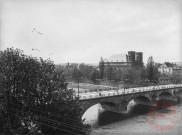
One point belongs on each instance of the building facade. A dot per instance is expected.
(124, 61)
(170, 70)
(166, 69)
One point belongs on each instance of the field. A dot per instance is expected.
(84, 87)
(104, 85)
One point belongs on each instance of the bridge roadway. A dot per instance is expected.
(117, 100)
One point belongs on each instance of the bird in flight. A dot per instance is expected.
(35, 49)
(37, 31)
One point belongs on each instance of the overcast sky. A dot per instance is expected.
(85, 30)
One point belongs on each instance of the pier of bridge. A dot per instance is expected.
(118, 103)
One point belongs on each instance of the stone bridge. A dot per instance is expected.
(118, 103)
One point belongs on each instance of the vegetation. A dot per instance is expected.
(109, 73)
(105, 74)
(89, 74)
(152, 70)
(34, 97)
(94, 75)
(101, 68)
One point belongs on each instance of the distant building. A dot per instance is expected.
(166, 68)
(170, 72)
(177, 70)
(170, 69)
(123, 61)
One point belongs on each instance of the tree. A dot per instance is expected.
(101, 68)
(71, 71)
(85, 70)
(32, 92)
(129, 75)
(76, 74)
(93, 75)
(143, 74)
(109, 72)
(150, 69)
(118, 74)
(156, 74)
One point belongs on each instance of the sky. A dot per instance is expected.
(85, 30)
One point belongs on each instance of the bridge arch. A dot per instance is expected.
(180, 92)
(139, 99)
(124, 104)
(154, 97)
(89, 104)
(165, 94)
(142, 100)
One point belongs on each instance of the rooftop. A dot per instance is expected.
(117, 58)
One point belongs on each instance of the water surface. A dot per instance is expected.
(135, 121)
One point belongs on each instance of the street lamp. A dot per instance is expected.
(78, 75)
(124, 79)
(78, 83)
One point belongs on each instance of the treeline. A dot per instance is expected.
(88, 73)
(34, 98)
(132, 74)
(79, 72)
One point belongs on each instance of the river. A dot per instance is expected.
(135, 121)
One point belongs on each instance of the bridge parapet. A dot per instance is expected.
(124, 92)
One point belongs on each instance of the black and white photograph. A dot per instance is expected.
(90, 67)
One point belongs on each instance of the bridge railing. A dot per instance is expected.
(81, 91)
(126, 91)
